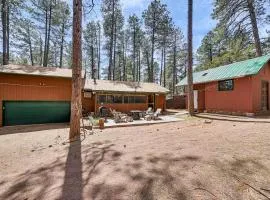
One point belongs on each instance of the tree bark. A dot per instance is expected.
(46, 34)
(62, 43)
(92, 63)
(30, 46)
(148, 66)
(124, 61)
(99, 44)
(4, 29)
(134, 49)
(139, 64)
(7, 30)
(161, 67)
(174, 64)
(40, 51)
(164, 68)
(190, 60)
(76, 104)
(46, 54)
(152, 56)
(111, 45)
(255, 31)
(114, 47)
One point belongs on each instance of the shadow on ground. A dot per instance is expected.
(31, 128)
(99, 171)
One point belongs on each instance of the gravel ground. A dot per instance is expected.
(182, 160)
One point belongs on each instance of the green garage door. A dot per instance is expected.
(35, 112)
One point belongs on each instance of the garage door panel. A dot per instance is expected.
(35, 112)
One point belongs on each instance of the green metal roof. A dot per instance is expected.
(234, 70)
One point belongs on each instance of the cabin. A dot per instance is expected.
(240, 88)
(38, 95)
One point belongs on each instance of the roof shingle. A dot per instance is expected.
(123, 86)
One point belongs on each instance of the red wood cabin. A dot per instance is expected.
(36, 95)
(238, 88)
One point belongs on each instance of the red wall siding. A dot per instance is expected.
(88, 104)
(161, 101)
(238, 100)
(23, 87)
(264, 75)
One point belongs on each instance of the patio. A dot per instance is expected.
(167, 118)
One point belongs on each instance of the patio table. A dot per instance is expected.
(136, 114)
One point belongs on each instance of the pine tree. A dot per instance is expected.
(91, 46)
(76, 104)
(135, 31)
(152, 19)
(243, 14)
(112, 24)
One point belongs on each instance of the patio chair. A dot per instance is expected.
(91, 122)
(120, 117)
(156, 114)
(153, 116)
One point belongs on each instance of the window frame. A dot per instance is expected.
(225, 89)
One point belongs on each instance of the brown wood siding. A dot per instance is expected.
(88, 104)
(161, 102)
(33, 88)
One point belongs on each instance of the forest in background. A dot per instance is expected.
(149, 47)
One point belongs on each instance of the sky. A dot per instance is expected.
(202, 21)
(178, 8)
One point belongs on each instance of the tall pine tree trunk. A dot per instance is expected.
(134, 56)
(152, 57)
(99, 44)
(161, 67)
(139, 65)
(174, 65)
(76, 103)
(114, 48)
(62, 44)
(7, 30)
(111, 44)
(148, 66)
(47, 43)
(92, 63)
(124, 62)
(46, 34)
(255, 31)
(164, 68)
(190, 60)
(30, 46)
(4, 30)
(40, 51)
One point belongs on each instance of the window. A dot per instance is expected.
(118, 99)
(140, 99)
(131, 99)
(226, 85)
(126, 99)
(109, 99)
(101, 98)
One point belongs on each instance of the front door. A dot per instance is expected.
(151, 101)
(265, 96)
(195, 99)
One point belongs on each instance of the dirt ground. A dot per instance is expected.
(182, 160)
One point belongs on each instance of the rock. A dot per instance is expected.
(50, 145)
(124, 146)
(207, 121)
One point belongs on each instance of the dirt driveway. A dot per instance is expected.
(183, 160)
